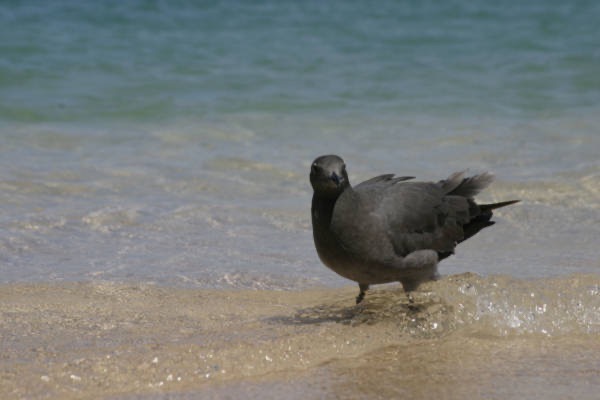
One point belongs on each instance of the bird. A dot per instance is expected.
(390, 228)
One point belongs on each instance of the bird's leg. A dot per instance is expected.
(411, 301)
(363, 288)
(423, 267)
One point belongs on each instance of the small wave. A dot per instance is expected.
(42, 224)
(507, 306)
(489, 306)
(109, 219)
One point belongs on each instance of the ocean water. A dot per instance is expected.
(168, 143)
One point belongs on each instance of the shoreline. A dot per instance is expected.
(108, 340)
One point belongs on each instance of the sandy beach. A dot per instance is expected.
(106, 340)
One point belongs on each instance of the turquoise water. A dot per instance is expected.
(140, 61)
(169, 141)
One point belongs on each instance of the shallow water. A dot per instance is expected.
(170, 142)
(154, 197)
(465, 336)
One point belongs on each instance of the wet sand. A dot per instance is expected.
(467, 337)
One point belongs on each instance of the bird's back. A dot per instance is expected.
(409, 216)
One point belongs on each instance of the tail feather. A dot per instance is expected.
(457, 185)
(452, 182)
(471, 186)
(493, 206)
(471, 216)
(476, 224)
(483, 218)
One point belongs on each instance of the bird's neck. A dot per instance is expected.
(322, 210)
(325, 241)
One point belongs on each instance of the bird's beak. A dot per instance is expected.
(336, 178)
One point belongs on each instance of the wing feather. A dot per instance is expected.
(384, 179)
(412, 216)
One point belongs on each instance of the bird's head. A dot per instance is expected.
(328, 176)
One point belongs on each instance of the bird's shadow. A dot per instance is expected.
(379, 306)
(319, 314)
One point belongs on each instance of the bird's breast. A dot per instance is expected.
(345, 264)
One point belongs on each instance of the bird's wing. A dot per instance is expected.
(421, 216)
(386, 179)
(383, 217)
(433, 215)
(381, 221)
